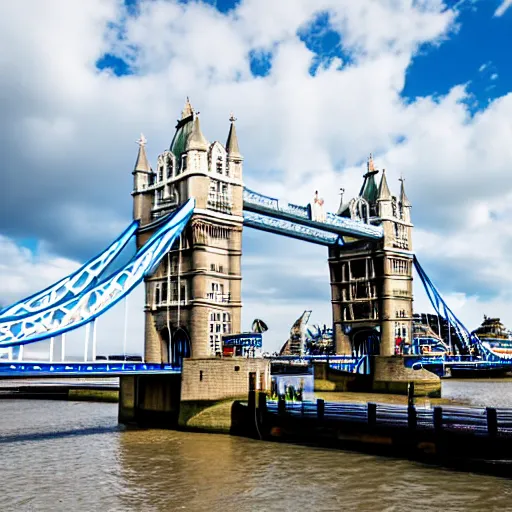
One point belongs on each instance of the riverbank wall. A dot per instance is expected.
(72, 391)
(388, 375)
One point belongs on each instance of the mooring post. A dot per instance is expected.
(320, 409)
(251, 402)
(410, 394)
(372, 415)
(281, 406)
(492, 421)
(412, 417)
(438, 419)
(262, 402)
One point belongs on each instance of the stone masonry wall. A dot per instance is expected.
(219, 379)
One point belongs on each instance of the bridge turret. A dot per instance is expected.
(142, 179)
(371, 282)
(405, 205)
(384, 199)
(194, 297)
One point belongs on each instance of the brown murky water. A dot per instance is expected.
(72, 456)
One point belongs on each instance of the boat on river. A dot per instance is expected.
(495, 336)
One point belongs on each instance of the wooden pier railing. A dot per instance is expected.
(479, 421)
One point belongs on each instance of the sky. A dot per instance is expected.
(316, 85)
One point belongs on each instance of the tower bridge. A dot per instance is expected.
(368, 238)
(189, 213)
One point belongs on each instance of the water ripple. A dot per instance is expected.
(66, 456)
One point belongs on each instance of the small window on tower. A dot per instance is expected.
(219, 165)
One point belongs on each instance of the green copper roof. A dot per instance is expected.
(179, 142)
(369, 189)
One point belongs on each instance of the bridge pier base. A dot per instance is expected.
(390, 375)
(149, 400)
(200, 398)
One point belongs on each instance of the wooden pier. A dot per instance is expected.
(467, 438)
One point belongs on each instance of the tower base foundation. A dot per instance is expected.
(390, 375)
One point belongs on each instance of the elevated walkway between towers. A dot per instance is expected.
(268, 214)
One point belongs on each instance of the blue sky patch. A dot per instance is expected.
(32, 244)
(479, 55)
(260, 62)
(117, 65)
(323, 41)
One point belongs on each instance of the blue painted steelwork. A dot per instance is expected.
(89, 305)
(87, 369)
(440, 363)
(243, 340)
(478, 355)
(270, 207)
(290, 229)
(466, 339)
(360, 364)
(434, 345)
(71, 286)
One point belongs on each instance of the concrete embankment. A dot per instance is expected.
(104, 390)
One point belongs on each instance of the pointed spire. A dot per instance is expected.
(232, 142)
(142, 163)
(370, 166)
(384, 194)
(196, 138)
(403, 198)
(341, 207)
(187, 109)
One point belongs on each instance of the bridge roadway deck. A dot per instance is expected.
(89, 370)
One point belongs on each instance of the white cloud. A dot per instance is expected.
(505, 4)
(494, 76)
(68, 130)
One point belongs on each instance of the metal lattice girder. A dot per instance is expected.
(270, 207)
(71, 286)
(441, 308)
(81, 310)
(290, 229)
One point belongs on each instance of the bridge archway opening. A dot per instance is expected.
(365, 341)
(175, 347)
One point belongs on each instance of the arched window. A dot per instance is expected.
(219, 164)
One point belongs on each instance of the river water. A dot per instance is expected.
(72, 456)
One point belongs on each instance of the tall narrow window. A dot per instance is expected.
(170, 168)
(157, 294)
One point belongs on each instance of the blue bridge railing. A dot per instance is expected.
(40, 369)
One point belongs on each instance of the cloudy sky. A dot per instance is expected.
(316, 86)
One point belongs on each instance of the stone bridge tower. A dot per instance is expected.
(194, 297)
(371, 282)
